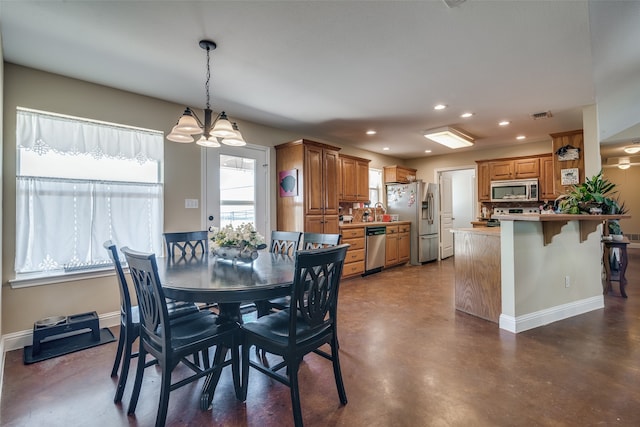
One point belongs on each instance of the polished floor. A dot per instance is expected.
(408, 358)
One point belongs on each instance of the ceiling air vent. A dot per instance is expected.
(542, 115)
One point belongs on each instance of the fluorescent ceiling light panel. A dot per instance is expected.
(449, 137)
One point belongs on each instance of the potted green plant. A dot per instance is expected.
(594, 196)
(615, 231)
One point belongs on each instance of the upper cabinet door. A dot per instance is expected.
(313, 177)
(501, 170)
(331, 167)
(527, 168)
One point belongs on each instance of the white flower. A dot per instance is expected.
(242, 236)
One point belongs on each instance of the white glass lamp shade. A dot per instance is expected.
(177, 136)
(188, 123)
(237, 140)
(624, 163)
(222, 128)
(208, 142)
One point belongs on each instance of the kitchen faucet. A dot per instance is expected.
(381, 206)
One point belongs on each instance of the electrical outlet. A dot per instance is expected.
(567, 281)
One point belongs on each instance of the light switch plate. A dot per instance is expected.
(191, 203)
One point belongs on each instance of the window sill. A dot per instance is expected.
(39, 279)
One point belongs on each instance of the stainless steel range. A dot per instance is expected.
(515, 211)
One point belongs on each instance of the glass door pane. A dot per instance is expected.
(235, 187)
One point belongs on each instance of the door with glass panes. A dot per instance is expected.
(236, 187)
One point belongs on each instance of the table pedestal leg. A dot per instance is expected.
(229, 312)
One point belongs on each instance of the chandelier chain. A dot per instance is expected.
(206, 84)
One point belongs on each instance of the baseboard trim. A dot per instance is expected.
(550, 315)
(20, 339)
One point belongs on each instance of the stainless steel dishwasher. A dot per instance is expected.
(375, 249)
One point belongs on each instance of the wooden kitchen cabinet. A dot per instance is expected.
(398, 245)
(526, 168)
(547, 180)
(500, 170)
(574, 139)
(314, 206)
(398, 174)
(404, 243)
(484, 182)
(391, 246)
(354, 179)
(354, 261)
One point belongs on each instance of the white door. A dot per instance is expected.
(446, 216)
(236, 188)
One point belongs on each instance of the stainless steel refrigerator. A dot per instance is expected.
(417, 202)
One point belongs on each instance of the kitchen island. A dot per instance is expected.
(477, 266)
(550, 268)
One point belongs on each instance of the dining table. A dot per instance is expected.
(228, 283)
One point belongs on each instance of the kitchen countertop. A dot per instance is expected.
(372, 224)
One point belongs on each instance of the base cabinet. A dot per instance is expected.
(391, 247)
(398, 245)
(354, 261)
(404, 243)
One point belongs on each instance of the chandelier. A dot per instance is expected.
(212, 132)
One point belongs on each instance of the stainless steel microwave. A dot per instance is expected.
(517, 190)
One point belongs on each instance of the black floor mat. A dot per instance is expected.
(58, 347)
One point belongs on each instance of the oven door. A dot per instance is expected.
(509, 192)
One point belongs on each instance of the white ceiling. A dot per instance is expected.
(330, 69)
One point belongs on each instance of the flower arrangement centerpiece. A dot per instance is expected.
(236, 243)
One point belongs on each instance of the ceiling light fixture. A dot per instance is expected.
(466, 115)
(449, 137)
(519, 137)
(624, 163)
(371, 132)
(213, 131)
(633, 149)
(440, 107)
(504, 123)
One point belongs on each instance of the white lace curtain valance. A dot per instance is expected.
(41, 132)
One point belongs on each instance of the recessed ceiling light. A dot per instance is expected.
(385, 149)
(440, 107)
(466, 115)
(520, 137)
(371, 132)
(427, 151)
(504, 123)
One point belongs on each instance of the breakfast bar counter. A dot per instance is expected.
(477, 272)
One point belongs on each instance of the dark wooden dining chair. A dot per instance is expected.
(285, 242)
(320, 240)
(309, 241)
(293, 333)
(187, 244)
(171, 342)
(130, 323)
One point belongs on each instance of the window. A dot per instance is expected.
(79, 183)
(237, 190)
(375, 186)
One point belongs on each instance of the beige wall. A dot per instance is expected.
(39, 90)
(627, 185)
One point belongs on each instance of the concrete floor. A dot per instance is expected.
(408, 359)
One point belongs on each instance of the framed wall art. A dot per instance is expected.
(288, 183)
